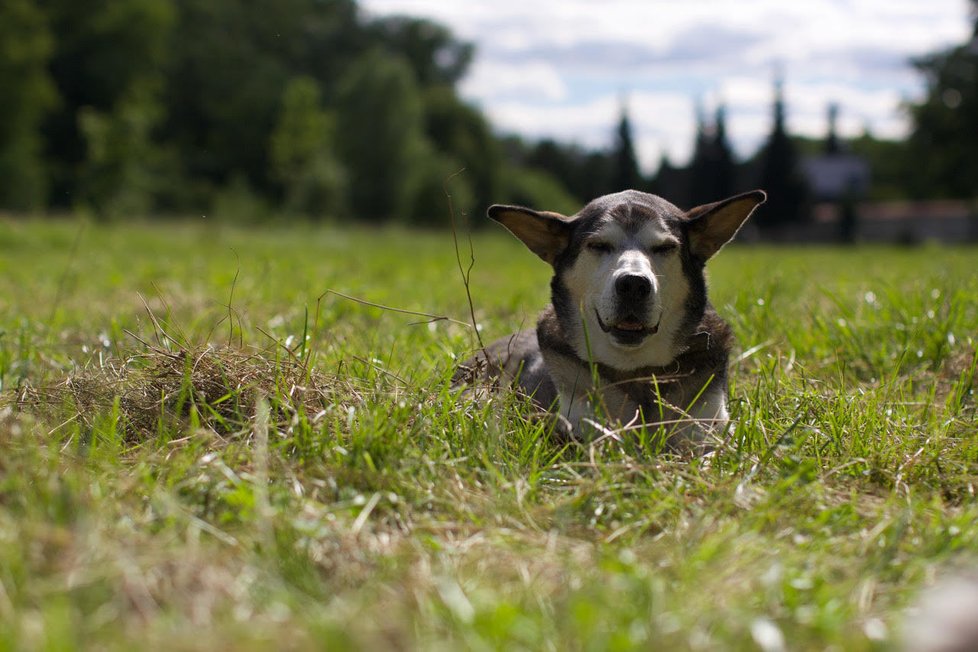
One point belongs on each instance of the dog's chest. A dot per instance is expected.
(588, 391)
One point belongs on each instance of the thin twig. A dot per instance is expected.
(465, 273)
(234, 284)
(431, 317)
(315, 332)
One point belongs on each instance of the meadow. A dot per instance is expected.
(203, 446)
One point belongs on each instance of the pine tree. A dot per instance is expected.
(832, 143)
(701, 165)
(625, 172)
(724, 165)
(780, 175)
(712, 167)
(671, 182)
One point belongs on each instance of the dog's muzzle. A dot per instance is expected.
(629, 331)
(632, 292)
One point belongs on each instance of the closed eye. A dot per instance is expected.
(665, 248)
(599, 246)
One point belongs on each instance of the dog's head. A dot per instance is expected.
(628, 269)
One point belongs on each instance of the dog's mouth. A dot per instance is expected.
(629, 331)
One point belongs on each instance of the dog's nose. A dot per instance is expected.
(632, 287)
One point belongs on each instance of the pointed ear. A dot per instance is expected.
(713, 225)
(545, 233)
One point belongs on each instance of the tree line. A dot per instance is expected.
(308, 107)
(169, 106)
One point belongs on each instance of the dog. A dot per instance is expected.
(629, 337)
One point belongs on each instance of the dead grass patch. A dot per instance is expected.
(210, 387)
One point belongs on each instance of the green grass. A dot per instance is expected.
(202, 450)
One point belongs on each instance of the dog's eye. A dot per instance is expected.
(599, 247)
(665, 248)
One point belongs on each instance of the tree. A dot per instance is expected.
(380, 136)
(625, 174)
(139, 105)
(832, 143)
(780, 175)
(888, 161)
(712, 166)
(672, 182)
(123, 167)
(229, 65)
(224, 81)
(107, 66)
(538, 189)
(28, 95)
(701, 164)
(437, 178)
(723, 159)
(302, 153)
(434, 54)
(584, 174)
(593, 175)
(561, 161)
(944, 140)
(463, 137)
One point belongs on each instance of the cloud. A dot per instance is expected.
(497, 80)
(560, 68)
(584, 55)
(713, 44)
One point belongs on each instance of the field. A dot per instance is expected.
(202, 448)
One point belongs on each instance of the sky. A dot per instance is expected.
(565, 68)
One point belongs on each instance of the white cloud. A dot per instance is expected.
(560, 67)
(586, 123)
(491, 81)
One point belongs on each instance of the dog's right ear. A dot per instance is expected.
(544, 232)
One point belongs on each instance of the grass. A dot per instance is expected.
(203, 450)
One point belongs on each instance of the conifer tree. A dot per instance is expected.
(780, 174)
(712, 167)
(625, 172)
(724, 164)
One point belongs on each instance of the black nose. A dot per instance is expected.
(632, 287)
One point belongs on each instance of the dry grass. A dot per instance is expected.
(212, 387)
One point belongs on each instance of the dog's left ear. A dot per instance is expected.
(545, 233)
(713, 225)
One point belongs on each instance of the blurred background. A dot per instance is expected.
(859, 118)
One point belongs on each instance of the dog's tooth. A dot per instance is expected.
(630, 326)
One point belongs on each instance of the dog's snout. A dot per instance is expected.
(632, 287)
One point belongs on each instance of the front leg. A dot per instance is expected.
(592, 412)
(574, 409)
(706, 418)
